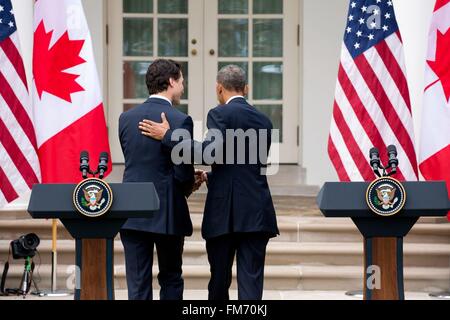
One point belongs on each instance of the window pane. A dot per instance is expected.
(275, 114)
(185, 70)
(183, 108)
(267, 38)
(134, 86)
(138, 6)
(128, 106)
(233, 6)
(138, 37)
(267, 6)
(173, 6)
(268, 81)
(173, 37)
(233, 38)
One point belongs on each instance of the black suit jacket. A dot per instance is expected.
(147, 160)
(239, 198)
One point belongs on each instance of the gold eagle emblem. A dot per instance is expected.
(386, 194)
(94, 197)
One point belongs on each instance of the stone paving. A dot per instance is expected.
(268, 295)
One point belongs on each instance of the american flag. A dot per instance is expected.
(19, 164)
(372, 106)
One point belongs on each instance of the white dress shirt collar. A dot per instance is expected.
(157, 96)
(234, 97)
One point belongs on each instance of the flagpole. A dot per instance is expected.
(53, 292)
(54, 253)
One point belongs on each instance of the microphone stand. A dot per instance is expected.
(54, 292)
(376, 169)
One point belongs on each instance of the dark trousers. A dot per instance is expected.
(250, 251)
(138, 247)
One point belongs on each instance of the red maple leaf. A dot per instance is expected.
(441, 65)
(49, 64)
(440, 4)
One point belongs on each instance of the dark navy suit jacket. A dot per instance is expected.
(239, 198)
(147, 160)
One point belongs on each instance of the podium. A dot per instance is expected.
(383, 235)
(94, 237)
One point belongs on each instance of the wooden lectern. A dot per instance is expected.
(383, 236)
(94, 237)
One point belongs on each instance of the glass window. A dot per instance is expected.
(128, 106)
(233, 6)
(173, 6)
(233, 38)
(138, 37)
(268, 38)
(268, 6)
(267, 81)
(275, 114)
(138, 6)
(172, 37)
(185, 70)
(134, 79)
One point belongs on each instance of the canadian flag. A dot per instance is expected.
(67, 100)
(435, 139)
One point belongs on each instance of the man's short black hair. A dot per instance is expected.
(159, 73)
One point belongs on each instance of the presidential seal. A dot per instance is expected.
(386, 196)
(92, 197)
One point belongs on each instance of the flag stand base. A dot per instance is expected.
(440, 295)
(53, 294)
(355, 293)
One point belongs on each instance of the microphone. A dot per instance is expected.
(375, 163)
(103, 164)
(392, 154)
(84, 163)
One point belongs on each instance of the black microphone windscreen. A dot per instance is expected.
(392, 149)
(84, 154)
(374, 150)
(104, 155)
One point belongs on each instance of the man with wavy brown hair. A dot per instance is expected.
(147, 160)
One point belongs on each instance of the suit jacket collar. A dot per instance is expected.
(239, 100)
(158, 101)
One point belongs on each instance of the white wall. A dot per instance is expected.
(323, 31)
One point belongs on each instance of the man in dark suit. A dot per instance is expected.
(239, 216)
(148, 160)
